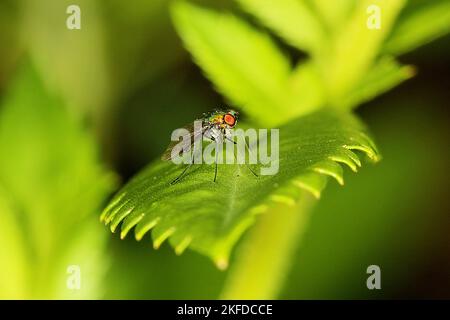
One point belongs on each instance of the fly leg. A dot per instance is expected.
(249, 152)
(215, 170)
(184, 171)
(248, 167)
(215, 162)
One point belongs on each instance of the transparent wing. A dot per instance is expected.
(191, 136)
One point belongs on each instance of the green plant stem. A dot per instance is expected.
(265, 256)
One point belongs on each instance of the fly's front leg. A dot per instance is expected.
(215, 170)
(231, 140)
(216, 155)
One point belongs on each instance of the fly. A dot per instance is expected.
(215, 126)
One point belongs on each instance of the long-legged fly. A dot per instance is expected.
(215, 126)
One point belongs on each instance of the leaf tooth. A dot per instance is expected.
(118, 218)
(129, 223)
(344, 160)
(371, 153)
(259, 209)
(182, 245)
(369, 142)
(311, 182)
(283, 199)
(331, 169)
(162, 237)
(112, 204)
(115, 211)
(352, 156)
(221, 263)
(365, 144)
(142, 228)
(347, 157)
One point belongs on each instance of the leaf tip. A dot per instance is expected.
(181, 247)
(139, 231)
(332, 169)
(283, 199)
(410, 71)
(162, 237)
(222, 263)
(129, 223)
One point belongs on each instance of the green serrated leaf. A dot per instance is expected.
(419, 25)
(243, 63)
(293, 20)
(210, 217)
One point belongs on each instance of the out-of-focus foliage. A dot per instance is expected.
(74, 63)
(291, 19)
(9, 39)
(51, 182)
(344, 67)
(420, 22)
(140, 40)
(14, 277)
(238, 62)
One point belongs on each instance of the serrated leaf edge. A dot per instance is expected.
(114, 216)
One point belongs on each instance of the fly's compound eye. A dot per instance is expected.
(230, 120)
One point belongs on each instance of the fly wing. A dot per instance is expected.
(191, 136)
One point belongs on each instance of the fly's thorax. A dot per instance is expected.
(214, 133)
(216, 118)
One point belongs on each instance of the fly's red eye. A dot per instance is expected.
(230, 119)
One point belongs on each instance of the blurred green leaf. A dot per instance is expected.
(151, 51)
(291, 19)
(210, 217)
(385, 74)
(243, 63)
(9, 38)
(333, 13)
(419, 25)
(51, 173)
(14, 275)
(86, 250)
(73, 62)
(307, 87)
(357, 46)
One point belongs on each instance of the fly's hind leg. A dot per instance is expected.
(235, 157)
(184, 171)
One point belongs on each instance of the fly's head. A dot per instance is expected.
(230, 119)
(223, 119)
